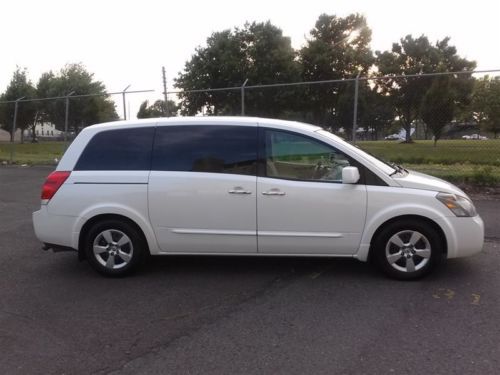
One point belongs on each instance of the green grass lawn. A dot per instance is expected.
(33, 153)
(462, 161)
(446, 151)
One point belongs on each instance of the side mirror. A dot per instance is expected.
(350, 175)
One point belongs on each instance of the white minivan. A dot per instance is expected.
(246, 186)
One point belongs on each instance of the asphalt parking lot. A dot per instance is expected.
(201, 315)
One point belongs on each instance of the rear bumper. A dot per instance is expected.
(54, 230)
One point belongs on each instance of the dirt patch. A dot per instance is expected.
(481, 192)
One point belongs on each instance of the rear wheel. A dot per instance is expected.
(114, 247)
(408, 249)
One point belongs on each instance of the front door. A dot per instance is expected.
(302, 205)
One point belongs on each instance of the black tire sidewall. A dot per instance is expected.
(437, 251)
(130, 231)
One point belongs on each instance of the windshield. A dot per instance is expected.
(379, 163)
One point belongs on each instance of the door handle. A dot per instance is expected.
(239, 190)
(273, 192)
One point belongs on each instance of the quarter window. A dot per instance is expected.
(118, 150)
(208, 148)
(292, 156)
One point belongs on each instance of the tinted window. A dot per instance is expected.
(118, 150)
(293, 156)
(209, 148)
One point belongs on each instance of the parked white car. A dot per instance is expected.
(246, 186)
(392, 137)
(475, 136)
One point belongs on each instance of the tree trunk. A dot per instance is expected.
(408, 132)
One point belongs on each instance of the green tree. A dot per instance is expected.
(376, 112)
(19, 86)
(415, 56)
(83, 111)
(269, 59)
(438, 106)
(338, 48)
(258, 52)
(157, 109)
(485, 105)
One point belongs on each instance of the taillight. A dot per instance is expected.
(53, 183)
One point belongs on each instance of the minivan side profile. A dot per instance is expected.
(246, 186)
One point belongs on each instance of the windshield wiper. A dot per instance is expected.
(397, 169)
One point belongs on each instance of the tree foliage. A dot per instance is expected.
(258, 52)
(415, 56)
(485, 105)
(338, 48)
(157, 109)
(19, 86)
(438, 106)
(83, 111)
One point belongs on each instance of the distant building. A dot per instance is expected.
(44, 130)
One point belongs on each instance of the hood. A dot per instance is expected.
(417, 180)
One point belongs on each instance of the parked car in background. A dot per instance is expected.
(392, 137)
(475, 136)
(246, 186)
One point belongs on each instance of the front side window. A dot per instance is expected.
(118, 150)
(206, 148)
(293, 156)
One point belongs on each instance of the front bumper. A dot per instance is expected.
(464, 235)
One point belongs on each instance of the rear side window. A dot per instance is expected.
(118, 150)
(208, 148)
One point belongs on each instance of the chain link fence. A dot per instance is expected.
(444, 124)
(38, 130)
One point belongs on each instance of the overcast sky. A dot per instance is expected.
(126, 42)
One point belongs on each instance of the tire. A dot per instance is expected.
(114, 247)
(408, 249)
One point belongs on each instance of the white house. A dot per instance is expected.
(45, 130)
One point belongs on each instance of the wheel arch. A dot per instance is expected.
(97, 218)
(425, 219)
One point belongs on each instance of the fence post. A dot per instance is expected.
(243, 97)
(13, 139)
(66, 116)
(355, 112)
(124, 105)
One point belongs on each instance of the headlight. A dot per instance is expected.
(460, 206)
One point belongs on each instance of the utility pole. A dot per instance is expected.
(13, 139)
(165, 108)
(66, 116)
(243, 97)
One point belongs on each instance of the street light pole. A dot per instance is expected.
(124, 105)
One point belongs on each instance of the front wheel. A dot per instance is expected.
(114, 247)
(408, 249)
